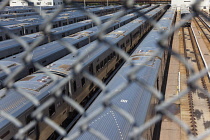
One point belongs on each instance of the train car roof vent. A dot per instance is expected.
(8, 64)
(131, 15)
(166, 18)
(34, 35)
(136, 58)
(23, 24)
(8, 19)
(160, 28)
(86, 21)
(65, 67)
(116, 21)
(137, 21)
(44, 79)
(27, 78)
(49, 66)
(148, 14)
(11, 26)
(116, 34)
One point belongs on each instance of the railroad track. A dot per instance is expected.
(197, 104)
(204, 28)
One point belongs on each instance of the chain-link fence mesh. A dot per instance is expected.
(58, 90)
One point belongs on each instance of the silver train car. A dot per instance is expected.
(20, 9)
(32, 25)
(15, 12)
(185, 12)
(31, 12)
(39, 84)
(11, 47)
(50, 52)
(135, 100)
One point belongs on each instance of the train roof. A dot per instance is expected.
(8, 64)
(134, 99)
(114, 37)
(39, 19)
(64, 64)
(12, 102)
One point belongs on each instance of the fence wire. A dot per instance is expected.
(38, 114)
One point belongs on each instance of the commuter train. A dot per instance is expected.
(136, 100)
(18, 9)
(50, 52)
(100, 63)
(30, 12)
(184, 13)
(11, 47)
(31, 25)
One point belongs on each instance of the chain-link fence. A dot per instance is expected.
(46, 101)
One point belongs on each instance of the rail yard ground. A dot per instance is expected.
(193, 108)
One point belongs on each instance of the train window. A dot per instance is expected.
(31, 70)
(83, 81)
(101, 64)
(28, 120)
(1, 38)
(122, 46)
(64, 90)
(21, 33)
(97, 67)
(91, 68)
(26, 31)
(63, 35)
(32, 31)
(114, 53)
(110, 56)
(37, 28)
(105, 61)
(7, 37)
(52, 110)
(74, 86)
(127, 41)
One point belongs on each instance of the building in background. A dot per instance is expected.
(36, 2)
(204, 5)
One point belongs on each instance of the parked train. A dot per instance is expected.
(50, 52)
(101, 62)
(17, 12)
(14, 12)
(136, 100)
(184, 13)
(17, 9)
(11, 47)
(29, 26)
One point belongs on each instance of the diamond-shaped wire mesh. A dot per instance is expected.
(81, 65)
